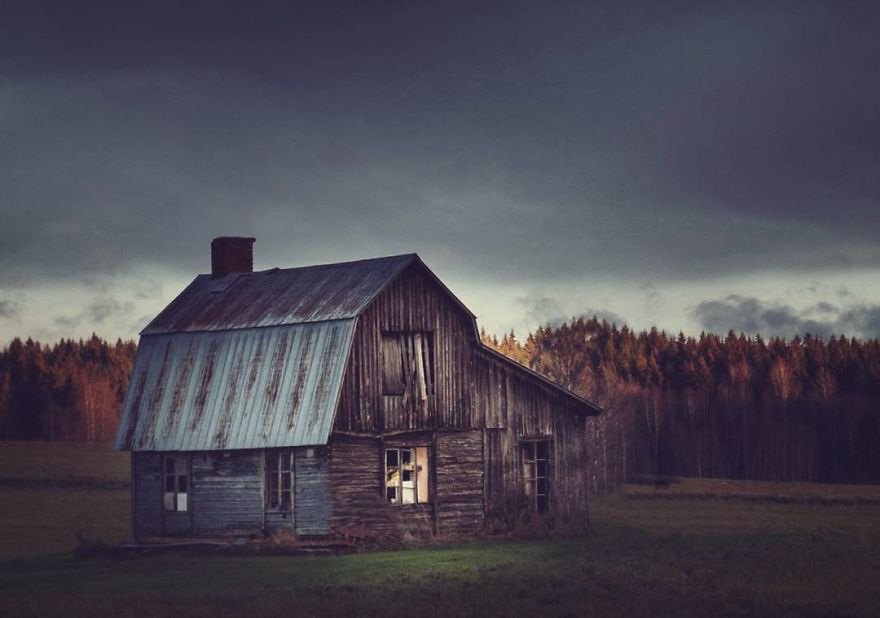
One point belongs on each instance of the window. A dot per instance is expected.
(406, 475)
(176, 492)
(535, 462)
(279, 466)
(408, 365)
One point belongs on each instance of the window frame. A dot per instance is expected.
(418, 468)
(275, 476)
(405, 344)
(530, 457)
(180, 471)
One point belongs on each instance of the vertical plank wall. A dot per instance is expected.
(411, 303)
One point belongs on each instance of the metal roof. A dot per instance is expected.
(278, 296)
(236, 389)
(256, 360)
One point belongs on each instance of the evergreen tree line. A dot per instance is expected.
(804, 409)
(738, 407)
(72, 390)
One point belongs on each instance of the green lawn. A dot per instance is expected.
(712, 554)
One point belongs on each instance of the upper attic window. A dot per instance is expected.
(408, 364)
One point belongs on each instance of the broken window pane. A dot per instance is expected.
(393, 381)
(408, 365)
(422, 473)
(168, 500)
(406, 475)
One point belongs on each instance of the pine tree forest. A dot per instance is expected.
(738, 407)
(732, 406)
(72, 390)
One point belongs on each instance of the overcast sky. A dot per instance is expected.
(691, 166)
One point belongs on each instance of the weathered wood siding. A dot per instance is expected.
(455, 481)
(147, 494)
(478, 472)
(411, 303)
(518, 407)
(226, 494)
(479, 411)
(459, 487)
(357, 486)
(311, 503)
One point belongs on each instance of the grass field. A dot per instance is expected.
(696, 548)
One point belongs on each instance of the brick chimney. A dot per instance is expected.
(231, 254)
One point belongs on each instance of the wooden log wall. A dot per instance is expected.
(311, 502)
(456, 486)
(357, 490)
(459, 482)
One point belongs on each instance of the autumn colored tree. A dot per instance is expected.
(72, 390)
(730, 406)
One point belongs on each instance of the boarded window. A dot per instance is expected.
(279, 480)
(176, 484)
(535, 462)
(408, 365)
(406, 475)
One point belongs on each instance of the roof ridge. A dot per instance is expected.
(326, 265)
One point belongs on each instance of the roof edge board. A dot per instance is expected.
(596, 409)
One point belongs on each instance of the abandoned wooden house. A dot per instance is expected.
(342, 399)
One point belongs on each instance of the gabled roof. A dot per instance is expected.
(281, 296)
(256, 360)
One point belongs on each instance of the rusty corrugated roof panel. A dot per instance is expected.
(278, 296)
(236, 389)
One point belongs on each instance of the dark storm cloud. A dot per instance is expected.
(547, 311)
(68, 321)
(9, 308)
(753, 316)
(98, 311)
(862, 319)
(615, 139)
(105, 307)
